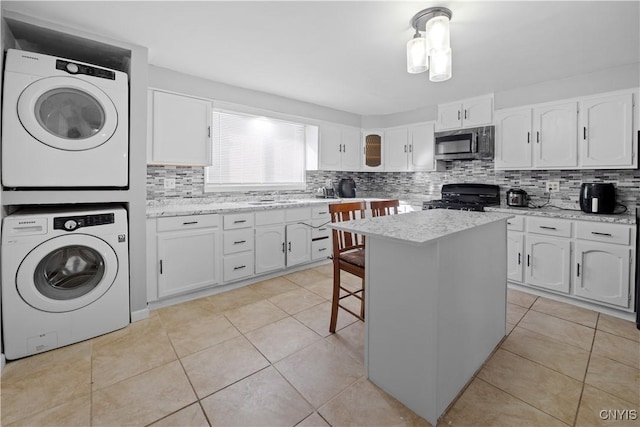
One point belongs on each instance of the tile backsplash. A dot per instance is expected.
(418, 185)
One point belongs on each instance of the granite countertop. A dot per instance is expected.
(420, 227)
(628, 217)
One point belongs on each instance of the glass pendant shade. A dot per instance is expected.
(437, 33)
(440, 65)
(417, 60)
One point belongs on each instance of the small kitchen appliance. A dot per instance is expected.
(465, 144)
(328, 192)
(517, 198)
(468, 197)
(597, 198)
(347, 188)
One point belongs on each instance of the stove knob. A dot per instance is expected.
(70, 225)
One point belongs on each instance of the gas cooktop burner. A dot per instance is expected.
(443, 204)
(468, 197)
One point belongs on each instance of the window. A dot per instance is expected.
(255, 153)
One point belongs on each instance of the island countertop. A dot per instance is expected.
(420, 227)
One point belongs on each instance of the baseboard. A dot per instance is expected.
(139, 315)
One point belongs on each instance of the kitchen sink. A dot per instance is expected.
(272, 202)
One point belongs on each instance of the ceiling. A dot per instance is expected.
(350, 56)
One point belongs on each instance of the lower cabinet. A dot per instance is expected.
(548, 263)
(515, 252)
(238, 246)
(602, 272)
(298, 244)
(270, 248)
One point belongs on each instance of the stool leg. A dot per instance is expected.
(336, 296)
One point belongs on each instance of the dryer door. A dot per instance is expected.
(67, 113)
(67, 273)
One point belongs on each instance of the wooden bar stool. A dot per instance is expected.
(348, 255)
(385, 207)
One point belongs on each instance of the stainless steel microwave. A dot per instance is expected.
(465, 144)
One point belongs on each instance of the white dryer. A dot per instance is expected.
(65, 277)
(64, 123)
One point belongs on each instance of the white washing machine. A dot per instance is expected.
(64, 123)
(65, 277)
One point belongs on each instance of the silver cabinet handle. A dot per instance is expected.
(410, 148)
(458, 114)
(528, 260)
(209, 131)
(282, 247)
(340, 148)
(465, 113)
(538, 137)
(519, 258)
(584, 133)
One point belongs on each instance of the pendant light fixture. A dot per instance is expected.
(433, 51)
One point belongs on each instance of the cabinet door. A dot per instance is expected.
(606, 131)
(373, 150)
(270, 248)
(449, 116)
(396, 149)
(187, 260)
(515, 255)
(602, 273)
(556, 138)
(548, 262)
(330, 148)
(298, 244)
(351, 149)
(513, 139)
(477, 112)
(181, 130)
(421, 148)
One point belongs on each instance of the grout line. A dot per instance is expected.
(584, 378)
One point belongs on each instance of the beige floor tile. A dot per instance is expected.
(520, 298)
(317, 318)
(620, 327)
(263, 399)
(350, 281)
(297, 300)
(313, 420)
(276, 286)
(351, 339)
(200, 333)
(323, 288)
(566, 311)
(320, 371)
(307, 277)
(617, 348)
(114, 360)
(174, 315)
(191, 416)
(253, 316)
(515, 313)
(509, 328)
(482, 404)
(592, 404)
(615, 378)
(151, 324)
(553, 354)
(76, 412)
(233, 299)
(37, 390)
(223, 364)
(558, 329)
(543, 388)
(364, 404)
(282, 338)
(326, 269)
(143, 399)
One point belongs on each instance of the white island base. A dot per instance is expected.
(435, 312)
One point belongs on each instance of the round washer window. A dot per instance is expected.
(69, 113)
(69, 272)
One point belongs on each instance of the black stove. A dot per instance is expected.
(468, 197)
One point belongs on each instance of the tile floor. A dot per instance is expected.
(262, 355)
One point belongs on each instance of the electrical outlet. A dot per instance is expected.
(169, 183)
(552, 187)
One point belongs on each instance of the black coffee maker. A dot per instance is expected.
(347, 188)
(597, 198)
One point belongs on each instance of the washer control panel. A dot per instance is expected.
(73, 68)
(70, 223)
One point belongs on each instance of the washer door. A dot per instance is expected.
(67, 273)
(67, 113)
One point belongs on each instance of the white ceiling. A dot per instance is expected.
(351, 55)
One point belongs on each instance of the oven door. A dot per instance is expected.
(456, 145)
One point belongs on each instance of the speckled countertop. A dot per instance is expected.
(420, 227)
(628, 217)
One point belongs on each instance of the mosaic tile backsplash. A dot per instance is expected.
(414, 185)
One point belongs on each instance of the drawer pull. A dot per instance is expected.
(509, 222)
(548, 228)
(239, 242)
(322, 249)
(597, 233)
(322, 229)
(578, 270)
(323, 213)
(239, 267)
(239, 221)
(189, 222)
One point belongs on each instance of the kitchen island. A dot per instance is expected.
(435, 303)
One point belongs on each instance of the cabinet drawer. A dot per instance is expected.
(549, 226)
(610, 233)
(516, 224)
(320, 228)
(187, 222)
(238, 241)
(238, 266)
(320, 212)
(242, 220)
(270, 217)
(297, 214)
(321, 249)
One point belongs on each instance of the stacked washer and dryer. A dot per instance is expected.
(65, 269)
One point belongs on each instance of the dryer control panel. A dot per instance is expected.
(70, 223)
(73, 68)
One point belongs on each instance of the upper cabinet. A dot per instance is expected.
(339, 148)
(513, 139)
(409, 148)
(373, 150)
(555, 136)
(467, 113)
(179, 130)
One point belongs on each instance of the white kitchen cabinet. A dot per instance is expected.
(298, 244)
(270, 248)
(548, 262)
(373, 149)
(339, 148)
(515, 256)
(556, 141)
(409, 148)
(602, 272)
(606, 131)
(467, 113)
(513, 139)
(238, 247)
(396, 149)
(179, 130)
